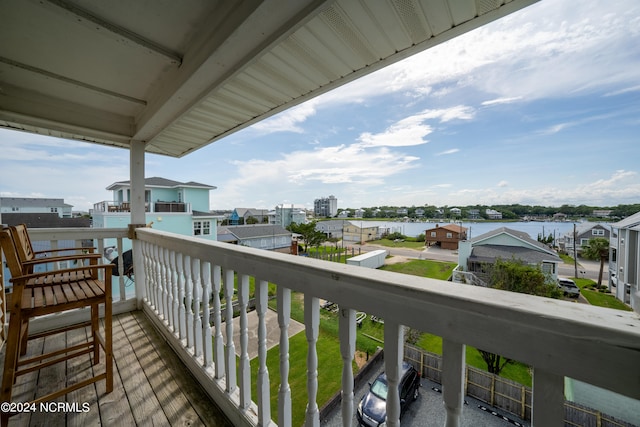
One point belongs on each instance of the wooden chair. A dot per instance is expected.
(29, 258)
(46, 293)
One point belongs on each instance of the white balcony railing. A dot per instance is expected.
(183, 278)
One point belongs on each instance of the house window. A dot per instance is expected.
(433, 234)
(584, 242)
(449, 235)
(597, 232)
(201, 228)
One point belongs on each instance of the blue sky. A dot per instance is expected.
(540, 108)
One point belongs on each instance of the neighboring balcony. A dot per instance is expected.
(182, 295)
(109, 206)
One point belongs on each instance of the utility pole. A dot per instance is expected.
(575, 255)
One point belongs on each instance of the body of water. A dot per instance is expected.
(475, 229)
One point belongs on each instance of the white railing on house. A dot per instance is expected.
(183, 278)
(467, 277)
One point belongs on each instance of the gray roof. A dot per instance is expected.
(163, 182)
(24, 202)
(521, 235)
(257, 230)
(628, 222)
(489, 253)
(44, 220)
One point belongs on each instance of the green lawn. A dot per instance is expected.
(601, 299)
(424, 268)
(329, 378)
(514, 371)
(403, 244)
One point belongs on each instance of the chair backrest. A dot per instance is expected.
(22, 242)
(10, 253)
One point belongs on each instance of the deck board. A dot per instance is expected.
(151, 385)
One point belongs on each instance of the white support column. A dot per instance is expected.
(393, 355)
(138, 215)
(347, 332)
(230, 349)
(245, 369)
(548, 399)
(284, 393)
(453, 355)
(263, 392)
(312, 326)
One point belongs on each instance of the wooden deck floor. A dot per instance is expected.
(151, 385)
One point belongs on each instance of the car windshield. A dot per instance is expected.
(379, 388)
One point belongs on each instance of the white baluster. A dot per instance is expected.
(218, 344)
(284, 393)
(453, 356)
(166, 287)
(393, 355)
(145, 264)
(312, 325)
(197, 294)
(264, 395)
(164, 295)
(230, 349)
(148, 268)
(548, 399)
(175, 279)
(188, 301)
(206, 308)
(157, 279)
(245, 369)
(347, 330)
(181, 285)
(120, 268)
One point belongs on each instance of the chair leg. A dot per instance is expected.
(11, 357)
(95, 326)
(108, 344)
(25, 337)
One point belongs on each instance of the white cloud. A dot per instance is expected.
(289, 120)
(412, 130)
(452, 151)
(499, 101)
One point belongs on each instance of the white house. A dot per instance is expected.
(26, 205)
(624, 260)
(506, 244)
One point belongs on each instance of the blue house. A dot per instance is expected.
(178, 207)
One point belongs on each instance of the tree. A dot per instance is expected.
(515, 276)
(251, 220)
(309, 234)
(597, 248)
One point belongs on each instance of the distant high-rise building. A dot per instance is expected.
(325, 206)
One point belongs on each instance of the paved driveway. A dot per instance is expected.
(429, 410)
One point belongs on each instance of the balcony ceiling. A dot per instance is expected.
(179, 75)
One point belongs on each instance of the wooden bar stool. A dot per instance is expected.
(46, 293)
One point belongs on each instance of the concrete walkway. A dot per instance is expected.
(273, 331)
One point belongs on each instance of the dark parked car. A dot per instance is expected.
(569, 287)
(372, 410)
